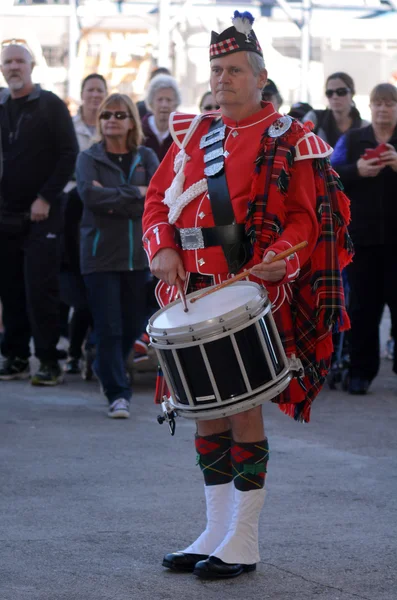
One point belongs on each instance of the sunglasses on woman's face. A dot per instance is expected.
(211, 107)
(120, 115)
(339, 92)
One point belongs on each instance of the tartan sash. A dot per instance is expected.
(318, 303)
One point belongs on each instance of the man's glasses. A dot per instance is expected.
(339, 92)
(211, 107)
(120, 115)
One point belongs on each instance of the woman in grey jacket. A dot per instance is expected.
(112, 179)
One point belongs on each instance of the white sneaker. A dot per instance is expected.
(119, 409)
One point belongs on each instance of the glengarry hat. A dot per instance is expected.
(238, 38)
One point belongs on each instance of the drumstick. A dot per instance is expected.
(244, 274)
(182, 296)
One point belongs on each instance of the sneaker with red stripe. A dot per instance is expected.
(141, 345)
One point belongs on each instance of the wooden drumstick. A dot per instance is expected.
(244, 274)
(179, 285)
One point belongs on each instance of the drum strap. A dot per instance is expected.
(237, 253)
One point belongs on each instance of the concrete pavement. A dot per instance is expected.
(89, 505)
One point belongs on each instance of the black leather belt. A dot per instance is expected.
(195, 238)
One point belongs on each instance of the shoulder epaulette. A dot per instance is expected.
(311, 146)
(182, 126)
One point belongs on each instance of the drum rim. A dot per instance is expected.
(177, 343)
(260, 299)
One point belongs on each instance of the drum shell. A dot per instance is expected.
(226, 367)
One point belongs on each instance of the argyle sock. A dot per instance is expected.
(249, 461)
(213, 456)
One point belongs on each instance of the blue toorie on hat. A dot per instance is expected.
(238, 38)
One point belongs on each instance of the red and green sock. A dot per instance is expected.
(249, 463)
(213, 456)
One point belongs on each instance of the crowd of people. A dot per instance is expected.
(71, 225)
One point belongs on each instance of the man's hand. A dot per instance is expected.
(96, 183)
(270, 272)
(369, 168)
(389, 158)
(167, 265)
(39, 210)
(142, 190)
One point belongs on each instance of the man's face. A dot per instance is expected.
(16, 66)
(232, 81)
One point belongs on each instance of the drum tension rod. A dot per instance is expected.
(168, 415)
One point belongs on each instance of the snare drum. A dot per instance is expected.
(224, 356)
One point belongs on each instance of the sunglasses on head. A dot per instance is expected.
(14, 42)
(338, 92)
(211, 107)
(120, 115)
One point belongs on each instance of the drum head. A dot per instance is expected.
(223, 306)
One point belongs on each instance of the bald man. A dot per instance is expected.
(39, 153)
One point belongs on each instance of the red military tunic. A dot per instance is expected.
(241, 148)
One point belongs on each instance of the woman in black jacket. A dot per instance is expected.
(341, 115)
(371, 184)
(112, 178)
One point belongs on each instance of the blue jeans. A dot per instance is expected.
(116, 301)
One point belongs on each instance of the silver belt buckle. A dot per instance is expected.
(192, 238)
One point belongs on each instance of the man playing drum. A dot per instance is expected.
(237, 187)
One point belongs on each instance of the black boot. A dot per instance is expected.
(215, 568)
(358, 386)
(182, 561)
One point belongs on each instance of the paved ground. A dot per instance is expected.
(89, 506)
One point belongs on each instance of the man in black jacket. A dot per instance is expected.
(39, 153)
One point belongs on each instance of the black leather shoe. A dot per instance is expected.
(215, 568)
(182, 561)
(358, 386)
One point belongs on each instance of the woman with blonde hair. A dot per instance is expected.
(112, 178)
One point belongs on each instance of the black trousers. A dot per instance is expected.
(74, 294)
(29, 289)
(373, 283)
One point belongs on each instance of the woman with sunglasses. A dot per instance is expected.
(207, 103)
(341, 114)
(112, 179)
